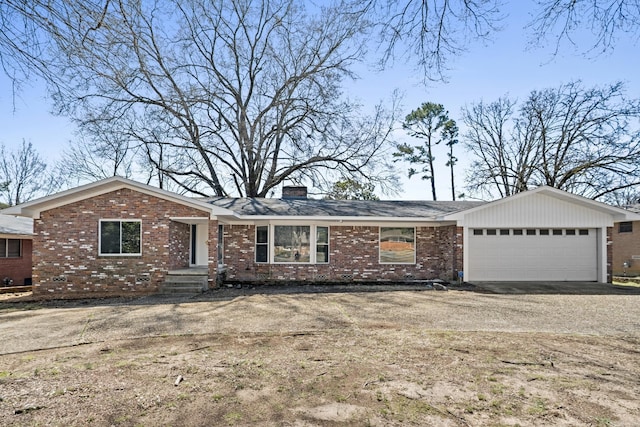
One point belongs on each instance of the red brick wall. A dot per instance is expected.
(179, 244)
(624, 247)
(65, 257)
(17, 269)
(353, 256)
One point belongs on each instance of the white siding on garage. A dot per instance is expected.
(537, 210)
(571, 256)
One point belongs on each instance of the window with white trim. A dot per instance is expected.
(397, 245)
(322, 245)
(262, 243)
(120, 237)
(291, 243)
(10, 248)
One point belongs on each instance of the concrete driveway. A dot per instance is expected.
(568, 288)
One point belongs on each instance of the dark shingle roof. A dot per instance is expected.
(342, 208)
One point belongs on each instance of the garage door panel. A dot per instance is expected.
(533, 257)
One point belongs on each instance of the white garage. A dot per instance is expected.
(540, 235)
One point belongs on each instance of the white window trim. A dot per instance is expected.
(313, 234)
(415, 246)
(268, 244)
(121, 220)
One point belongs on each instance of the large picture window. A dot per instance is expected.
(120, 237)
(10, 248)
(397, 245)
(291, 243)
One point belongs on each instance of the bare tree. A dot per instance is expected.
(97, 154)
(605, 21)
(236, 96)
(23, 175)
(432, 32)
(573, 138)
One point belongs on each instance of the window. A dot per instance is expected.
(322, 245)
(397, 245)
(625, 227)
(544, 232)
(10, 248)
(477, 231)
(120, 237)
(557, 232)
(291, 243)
(262, 243)
(517, 232)
(570, 232)
(531, 231)
(491, 231)
(583, 232)
(504, 231)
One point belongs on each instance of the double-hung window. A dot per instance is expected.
(120, 237)
(322, 245)
(262, 243)
(10, 248)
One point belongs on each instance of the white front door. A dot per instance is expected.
(198, 250)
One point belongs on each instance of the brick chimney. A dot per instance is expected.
(294, 192)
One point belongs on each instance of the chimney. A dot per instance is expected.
(294, 192)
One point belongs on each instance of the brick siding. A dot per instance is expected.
(625, 246)
(65, 256)
(17, 269)
(353, 256)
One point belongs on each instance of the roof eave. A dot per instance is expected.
(33, 208)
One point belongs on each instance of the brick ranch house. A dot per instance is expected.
(16, 234)
(117, 236)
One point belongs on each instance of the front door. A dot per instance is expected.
(198, 251)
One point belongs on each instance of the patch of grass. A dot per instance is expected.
(603, 421)
(232, 417)
(539, 407)
(5, 374)
(498, 388)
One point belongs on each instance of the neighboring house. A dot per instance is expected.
(16, 234)
(626, 246)
(118, 236)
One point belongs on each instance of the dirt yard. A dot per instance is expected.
(236, 357)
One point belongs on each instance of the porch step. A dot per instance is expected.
(184, 284)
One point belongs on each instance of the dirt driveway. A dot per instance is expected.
(241, 357)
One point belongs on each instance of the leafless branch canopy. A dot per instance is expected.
(223, 97)
(583, 140)
(603, 22)
(432, 32)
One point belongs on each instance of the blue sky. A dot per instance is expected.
(485, 72)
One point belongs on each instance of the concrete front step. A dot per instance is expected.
(184, 284)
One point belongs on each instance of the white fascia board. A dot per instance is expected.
(350, 220)
(33, 208)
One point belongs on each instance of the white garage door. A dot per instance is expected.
(533, 254)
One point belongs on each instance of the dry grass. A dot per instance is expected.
(358, 359)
